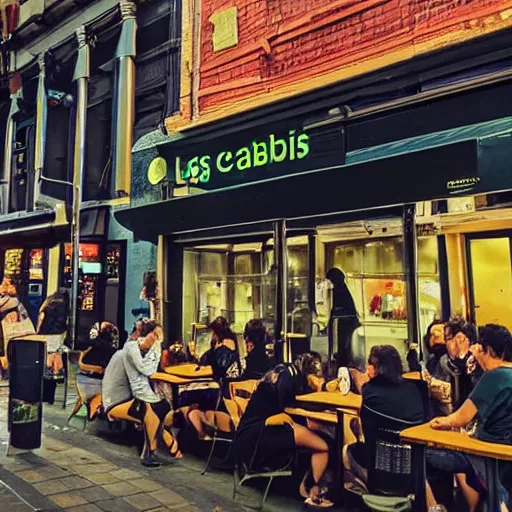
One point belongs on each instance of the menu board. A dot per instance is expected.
(13, 262)
(35, 269)
(88, 292)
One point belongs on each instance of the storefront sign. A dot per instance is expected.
(462, 185)
(268, 151)
(273, 150)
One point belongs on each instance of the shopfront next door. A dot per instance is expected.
(491, 272)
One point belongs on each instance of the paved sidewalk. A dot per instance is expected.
(74, 479)
(85, 472)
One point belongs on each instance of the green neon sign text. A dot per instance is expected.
(273, 150)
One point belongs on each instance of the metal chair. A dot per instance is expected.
(85, 396)
(235, 406)
(390, 462)
(249, 471)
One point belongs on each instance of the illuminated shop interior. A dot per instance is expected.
(239, 281)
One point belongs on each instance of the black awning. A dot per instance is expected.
(39, 229)
(406, 177)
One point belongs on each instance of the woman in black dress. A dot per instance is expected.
(276, 391)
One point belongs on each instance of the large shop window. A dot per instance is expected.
(158, 64)
(24, 142)
(98, 158)
(371, 257)
(235, 281)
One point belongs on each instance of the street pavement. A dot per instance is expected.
(94, 471)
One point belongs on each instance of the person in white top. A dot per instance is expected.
(128, 395)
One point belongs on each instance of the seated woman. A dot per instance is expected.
(257, 363)
(224, 360)
(103, 347)
(276, 391)
(386, 392)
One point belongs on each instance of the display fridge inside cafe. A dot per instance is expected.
(375, 277)
(235, 281)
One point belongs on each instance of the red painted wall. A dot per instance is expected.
(286, 46)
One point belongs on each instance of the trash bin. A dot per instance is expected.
(27, 361)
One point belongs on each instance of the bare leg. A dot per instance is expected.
(320, 457)
(431, 500)
(196, 418)
(220, 420)
(472, 497)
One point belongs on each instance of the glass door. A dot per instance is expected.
(491, 273)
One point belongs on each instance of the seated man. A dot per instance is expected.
(457, 364)
(127, 392)
(489, 403)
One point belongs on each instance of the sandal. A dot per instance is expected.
(304, 488)
(319, 500)
(174, 450)
(209, 429)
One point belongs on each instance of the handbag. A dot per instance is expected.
(387, 503)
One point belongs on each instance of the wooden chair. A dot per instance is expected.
(239, 395)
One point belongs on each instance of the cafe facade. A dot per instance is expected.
(399, 178)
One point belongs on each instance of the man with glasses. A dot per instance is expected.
(458, 363)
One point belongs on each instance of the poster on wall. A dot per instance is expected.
(148, 306)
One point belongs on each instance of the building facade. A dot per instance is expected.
(369, 136)
(82, 83)
(230, 153)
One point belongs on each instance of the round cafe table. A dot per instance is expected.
(190, 371)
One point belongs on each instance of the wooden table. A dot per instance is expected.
(190, 371)
(331, 400)
(182, 374)
(412, 375)
(424, 436)
(175, 380)
(326, 417)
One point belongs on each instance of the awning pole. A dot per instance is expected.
(411, 273)
(81, 77)
(125, 108)
(5, 179)
(281, 263)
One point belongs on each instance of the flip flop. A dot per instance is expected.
(303, 491)
(174, 450)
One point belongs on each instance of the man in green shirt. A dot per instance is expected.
(489, 404)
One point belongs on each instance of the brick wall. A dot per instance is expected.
(289, 46)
